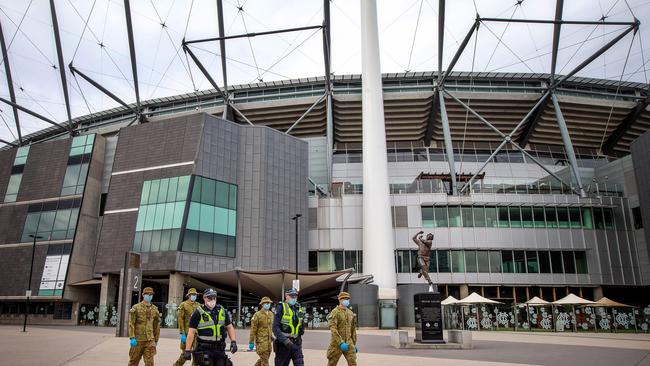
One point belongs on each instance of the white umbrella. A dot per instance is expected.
(475, 298)
(537, 301)
(449, 301)
(572, 299)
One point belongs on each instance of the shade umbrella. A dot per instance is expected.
(607, 303)
(475, 298)
(573, 300)
(535, 301)
(449, 301)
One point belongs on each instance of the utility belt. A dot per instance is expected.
(211, 346)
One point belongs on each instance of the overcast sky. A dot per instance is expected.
(408, 40)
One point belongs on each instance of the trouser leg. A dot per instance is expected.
(282, 354)
(351, 356)
(135, 354)
(296, 356)
(333, 355)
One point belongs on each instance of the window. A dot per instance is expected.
(400, 216)
(599, 221)
(569, 264)
(468, 219)
(82, 145)
(454, 216)
(479, 216)
(470, 261)
(79, 158)
(544, 262)
(531, 261)
(574, 218)
(457, 261)
(16, 174)
(491, 216)
(503, 217)
(313, 261)
(538, 217)
(433, 261)
(638, 219)
(587, 221)
(551, 217)
(581, 262)
(527, 217)
(51, 220)
(334, 260)
(427, 217)
(556, 262)
(443, 261)
(353, 259)
(440, 217)
(520, 261)
(562, 217)
(482, 257)
(403, 261)
(608, 215)
(507, 263)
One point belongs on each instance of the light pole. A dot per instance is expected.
(29, 284)
(295, 218)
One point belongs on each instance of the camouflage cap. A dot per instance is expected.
(147, 291)
(266, 300)
(344, 295)
(191, 291)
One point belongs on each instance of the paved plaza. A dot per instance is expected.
(91, 346)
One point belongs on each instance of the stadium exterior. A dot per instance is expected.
(196, 194)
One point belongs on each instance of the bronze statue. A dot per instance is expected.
(424, 248)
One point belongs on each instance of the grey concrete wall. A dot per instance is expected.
(640, 149)
(364, 298)
(405, 314)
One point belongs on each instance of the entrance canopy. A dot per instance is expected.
(271, 283)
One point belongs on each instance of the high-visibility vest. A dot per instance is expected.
(290, 329)
(207, 323)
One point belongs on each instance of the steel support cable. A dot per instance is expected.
(189, 67)
(240, 9)
(469, 101)
(618, 88)
(84, 30)
(532, 38)
(580, 47)
(507, 47)
(18, 27)
(26, 37)
(82, 94)
(291, 51)
(6, 124)
(645, 71)
(239, 62)
(496, 46)
(415, 34)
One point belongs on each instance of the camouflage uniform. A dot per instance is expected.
(343, 326)
(144, 326)
(185, 310)
(261, 333)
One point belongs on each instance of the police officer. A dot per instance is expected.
(144, 330)
(185, 310)
(288, 330)
(262, 332)
(343, 326)
(209, 324)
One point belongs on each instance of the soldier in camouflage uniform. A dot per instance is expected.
(262, 332)
(185, 310)
(144, 330)
(343, 325)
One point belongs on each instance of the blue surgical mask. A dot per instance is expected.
(346, 303)
(193, 297)
(266, 306)
(148, 298)
(292, 301)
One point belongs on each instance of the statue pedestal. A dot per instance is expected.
(428, 317)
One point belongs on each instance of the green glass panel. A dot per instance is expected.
(507, 263)
(479, 216)
(562, 217)
(608, 215)
(221, 221)
(232, 247)
(46, 223)
(587, 221)
(205, 243)
(468, 218)
(531, 261)
(149, 219)
(183, 187)
(208, 191)
(495, 261)
(581, 262)
(31, 226)
(71, 175)
(574, 218)
(62, 219)
(222, 195)
(196, 190)
(551, 217)
(79, 141)
(191, 240)
(441, 219)
(538, 217)
(165, 237)
(482, 257)
(491, 216)
(137, 241)
(454, 216)
(142, 214)
(457, 261)
(77, 151)
(527, 217)
(444, 265)
(179, 210)
(153, 191)
(515, 216)
(23, 151)
(160, 216)
(403, 261)
(503, 217)
(168, 221)
(162, 190)
(90, 139)
(171, 191)
(470, 261)
(74, 214)
(193, 216)
(520, 261)
(155, 241)
(232, 222)
(88, 149)
(232, 201)
(427, 216)
(144, 198)
(13, 187)
(207, 218)
(175, 237)
(220, 247)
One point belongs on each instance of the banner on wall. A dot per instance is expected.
(53, 279)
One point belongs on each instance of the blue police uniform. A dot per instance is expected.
(288, 329)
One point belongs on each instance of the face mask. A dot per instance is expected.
(346, 303)
(292, 301)
(211, 304)
(148, 298)
(266, 306)
(193, 297)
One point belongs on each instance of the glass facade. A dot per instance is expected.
(51, 220)
(335, 260)
(495, 261)
(16, 174)
(78, 162)
(198, 219)
(518, 217)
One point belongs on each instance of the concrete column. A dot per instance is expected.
(449, 148)
(598, 293)
(464, 291)
(176, 291)
(330, 139)
(378, 238)
(108, 291)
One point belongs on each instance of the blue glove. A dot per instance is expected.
(251, 346)
(183, 338)
(356, 349)
(133, 342)
(343, 346)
